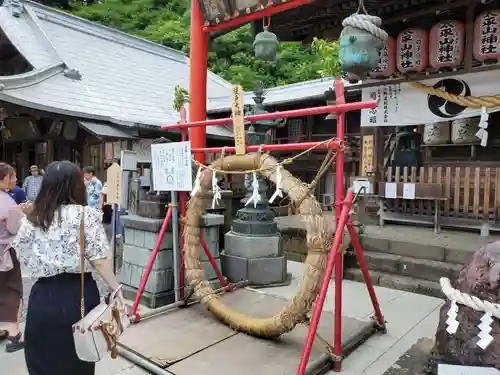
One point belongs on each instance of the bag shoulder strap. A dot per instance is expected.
(82, 261)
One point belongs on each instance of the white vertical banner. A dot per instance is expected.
(402, 104)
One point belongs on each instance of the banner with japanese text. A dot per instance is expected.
(403, 104)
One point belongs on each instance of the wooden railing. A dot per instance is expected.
(472, 192)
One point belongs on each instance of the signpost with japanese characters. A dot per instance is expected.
(238, 119)
(114, 181)
(367, 155)
(172, 168)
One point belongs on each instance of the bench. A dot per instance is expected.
(414, 192)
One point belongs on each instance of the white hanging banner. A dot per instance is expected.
(403, 104)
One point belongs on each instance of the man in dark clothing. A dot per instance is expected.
(17, 194)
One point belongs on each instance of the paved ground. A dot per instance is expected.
(405, 327)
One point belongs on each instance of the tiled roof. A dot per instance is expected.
(288, 94)
(124, 80)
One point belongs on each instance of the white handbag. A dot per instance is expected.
(97, 333)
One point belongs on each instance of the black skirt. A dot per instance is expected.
(11, 291)
(53, 308)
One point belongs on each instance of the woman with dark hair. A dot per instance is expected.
(11, 283)
(48, 247)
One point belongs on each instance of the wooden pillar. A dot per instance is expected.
(379, 143)
(50, 152)
(377, 160)
(469, 35)
(24, 167)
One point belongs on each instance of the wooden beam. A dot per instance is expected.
(437, 9)
(469, 35)
(419, 77)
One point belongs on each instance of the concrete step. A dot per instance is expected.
(415, 249)
(431, 270)
(405, 283)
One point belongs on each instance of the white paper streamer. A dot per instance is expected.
(255, 198)
(482, 133)
(278, 192)
(215, 190)
(197, 182)
(452, 321)
(484, 331)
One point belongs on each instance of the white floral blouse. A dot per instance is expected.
(45, 254)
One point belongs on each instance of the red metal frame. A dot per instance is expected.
(197, 135)
(340, 108)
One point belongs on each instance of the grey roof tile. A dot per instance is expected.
(125, 80)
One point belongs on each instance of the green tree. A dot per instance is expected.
(230, 55)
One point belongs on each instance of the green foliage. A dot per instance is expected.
(328, 52)
(230, 55)
(181, 97)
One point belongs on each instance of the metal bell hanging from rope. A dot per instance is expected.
(360, 42)
(266, 43)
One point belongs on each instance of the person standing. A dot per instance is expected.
(94, 187)
(32, 183)
(11, 284)
(48, 247)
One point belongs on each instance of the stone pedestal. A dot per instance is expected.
(253, 249)
(141, 234)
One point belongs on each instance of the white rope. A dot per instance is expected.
(468, 300)
(370, 24)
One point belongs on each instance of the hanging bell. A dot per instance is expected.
(266, 45)
(360, 42)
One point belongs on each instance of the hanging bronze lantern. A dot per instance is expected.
(266, 45)
(360, 42)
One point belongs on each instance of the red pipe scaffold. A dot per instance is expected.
(369, 104)
(334, 144)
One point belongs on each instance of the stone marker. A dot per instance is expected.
(480, 278)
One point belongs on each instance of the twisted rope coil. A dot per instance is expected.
(468, 300)
(465, 101)
(370, 24)
(318, 243)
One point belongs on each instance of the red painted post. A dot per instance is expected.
(183, 198)
(366, 274)
(354, 106)
(211, 259)
(198, 78)
(339, 197)
(320, 301)
(144, 280)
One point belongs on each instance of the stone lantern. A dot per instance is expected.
(253, 248)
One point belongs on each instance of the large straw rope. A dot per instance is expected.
(465, 101)
(318, 241)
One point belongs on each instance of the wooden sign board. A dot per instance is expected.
(114, 181)
(367, 155)
(238, 119)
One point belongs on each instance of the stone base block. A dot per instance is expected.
(141, 256)
(260, 272)
(253, 246)
(151, 300)
(159, 281)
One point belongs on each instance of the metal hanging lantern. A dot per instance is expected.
(360, 42)
(266, 45)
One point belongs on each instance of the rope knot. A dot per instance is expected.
(370, 24)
